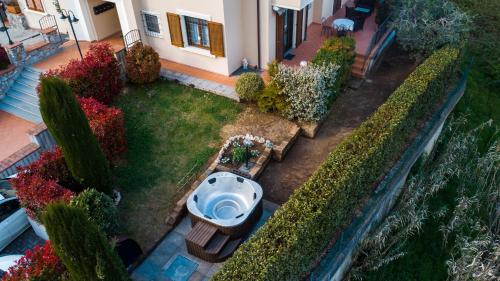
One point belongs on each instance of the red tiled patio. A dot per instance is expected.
(308, 48)
(13, 134)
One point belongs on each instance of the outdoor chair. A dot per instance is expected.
(342, 31)
(359, 22)
(325, 28)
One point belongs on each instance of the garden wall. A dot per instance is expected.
(339, 259)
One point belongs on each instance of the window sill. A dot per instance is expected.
(198, 51)
(35, 12)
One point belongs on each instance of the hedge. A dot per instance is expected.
(285, 247)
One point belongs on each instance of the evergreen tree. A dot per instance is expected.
(81, 246)
(70, 128)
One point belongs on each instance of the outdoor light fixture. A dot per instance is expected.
(70, 16)
(4, 28)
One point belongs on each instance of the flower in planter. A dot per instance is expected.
(254, 153)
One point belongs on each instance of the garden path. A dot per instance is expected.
(351, 108)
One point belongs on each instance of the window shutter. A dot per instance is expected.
(174, 25)
(216, 35)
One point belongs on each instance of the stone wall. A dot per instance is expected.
(339, 258)
(7, 78)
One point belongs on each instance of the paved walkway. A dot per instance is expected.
(171, 261)
(352, 107)
(13, 134)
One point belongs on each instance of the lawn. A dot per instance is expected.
(172, 131)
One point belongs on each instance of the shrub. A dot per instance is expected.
(39, 264)
(142, 64)
(68, 125)
(285, 247)
(4, 59)
(100, 209)
(239, 154)
(108, 125)
(307, 90)
(97, 75)
(272, 99)
(82, 247)
(272, 68)
(338, 51)
(35, 193)
(249, 86)
(424, 26)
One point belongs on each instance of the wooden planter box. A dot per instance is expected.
(13, 9)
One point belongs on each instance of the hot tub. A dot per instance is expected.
(229, 202)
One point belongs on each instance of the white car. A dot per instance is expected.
(13, 221)
(6, 262)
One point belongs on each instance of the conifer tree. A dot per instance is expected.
(81, 246)
(69, 126)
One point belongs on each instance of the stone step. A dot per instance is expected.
(27, 82)
(31, 75)
(30, 99)
(33, 69)
(20, 112)
(22, 105)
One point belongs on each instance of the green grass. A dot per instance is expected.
(172, 131)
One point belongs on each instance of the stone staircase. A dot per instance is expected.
(357, 67)
(21, 99)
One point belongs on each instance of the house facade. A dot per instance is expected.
(213, 35)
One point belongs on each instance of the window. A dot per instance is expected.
(8, 208)
(35, 5)
(152, 26)
(197, 32)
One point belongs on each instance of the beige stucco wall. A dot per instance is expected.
(105, 24)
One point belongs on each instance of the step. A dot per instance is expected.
(27, 82)
(216, 244)
(31, 75)
(20, 113)
(23, 97)
(201, 234)
(229, 249)
(33, 69)
(22, 105)
(24, 89)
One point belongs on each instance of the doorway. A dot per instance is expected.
(288, 30)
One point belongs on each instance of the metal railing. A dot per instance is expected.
(379, 33)
(131, 38)
(49, 22)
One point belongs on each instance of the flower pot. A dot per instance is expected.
(13, 9)
(39, 229)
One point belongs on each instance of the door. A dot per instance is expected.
(287, 30)
(336, 6)
(300, 24)
(279, 37)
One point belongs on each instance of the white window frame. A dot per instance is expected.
(192, 49)
(145, 25)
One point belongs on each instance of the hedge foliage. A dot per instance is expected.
(285, 247)
(142, 64)
(249, 86)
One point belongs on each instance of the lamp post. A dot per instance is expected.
(70, 16)
(4, 28)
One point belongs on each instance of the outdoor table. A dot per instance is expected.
(343, 24)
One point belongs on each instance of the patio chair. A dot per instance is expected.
(342, 31)
(325, 28)
(359, 22)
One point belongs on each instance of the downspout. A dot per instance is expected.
(258, 34)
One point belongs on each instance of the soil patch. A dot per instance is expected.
(351, 108)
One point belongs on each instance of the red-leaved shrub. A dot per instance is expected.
(97, 75)
(37, 184)
(108, 126)
(41, 264)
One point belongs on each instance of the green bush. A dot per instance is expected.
(285, 247)
(272, 99)
(272, 68)
(338, 51)
(100, 209)
(239, 154)
(249, 86)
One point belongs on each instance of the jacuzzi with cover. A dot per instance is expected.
(229, 202)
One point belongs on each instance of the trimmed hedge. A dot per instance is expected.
(285, 247)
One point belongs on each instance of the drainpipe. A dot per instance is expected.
(258, 34)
